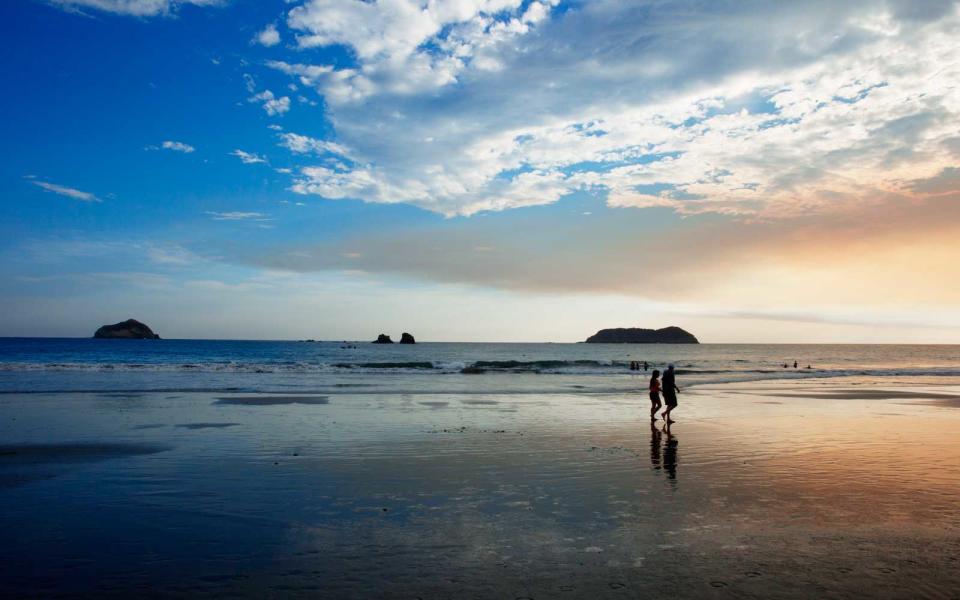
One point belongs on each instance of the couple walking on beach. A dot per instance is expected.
(669, 389)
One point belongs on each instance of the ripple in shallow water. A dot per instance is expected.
(273, 400)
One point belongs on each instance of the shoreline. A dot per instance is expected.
(471, 385)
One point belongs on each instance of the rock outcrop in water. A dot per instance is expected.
(635, 335)
(131, 329)
(406, 338)
(383, 339)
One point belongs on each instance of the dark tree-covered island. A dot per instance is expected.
(636, 335)
(131, 329)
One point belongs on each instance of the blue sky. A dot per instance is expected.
(481, 169)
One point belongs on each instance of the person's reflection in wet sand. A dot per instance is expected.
(655, 438)
(670, 453)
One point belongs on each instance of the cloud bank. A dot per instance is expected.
(898, 257)
(757, 110)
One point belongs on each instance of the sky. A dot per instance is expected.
(482, 170)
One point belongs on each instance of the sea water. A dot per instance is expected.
(64, 364)
(179, 468)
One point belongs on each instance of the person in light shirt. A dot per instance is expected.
(654, 395)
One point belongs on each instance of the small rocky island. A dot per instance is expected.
(405, 338)
(635, 335)
(131, 329)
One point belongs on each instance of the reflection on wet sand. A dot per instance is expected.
(655, 440)
(380, 496)
(669, 460)
(670, 453)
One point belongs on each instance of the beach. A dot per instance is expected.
(766, 489)
(370, 299)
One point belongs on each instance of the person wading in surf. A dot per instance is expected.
(670, 390)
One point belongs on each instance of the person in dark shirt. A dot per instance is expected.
(670, 390)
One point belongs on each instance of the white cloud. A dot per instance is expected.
(301, 144)
(238, 216)
(171, 255)
(755, 111)
(273, 105)
(268, 37)
(406, 46)
(134, 8)
(248, 158)
(178, 147)
(66, 191)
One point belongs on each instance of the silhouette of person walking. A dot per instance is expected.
(670, 391)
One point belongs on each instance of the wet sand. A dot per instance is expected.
(758, 491)
(19, 454)
(843, 394)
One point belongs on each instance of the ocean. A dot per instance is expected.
(69, 364)
(258, 469)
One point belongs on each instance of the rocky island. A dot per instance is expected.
(405, 338)
(131, 329)
(635, 335)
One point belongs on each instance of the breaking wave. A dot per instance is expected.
(737, 372)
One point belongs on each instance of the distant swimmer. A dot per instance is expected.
(654, 395)
(794, 364)
(670, 390)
